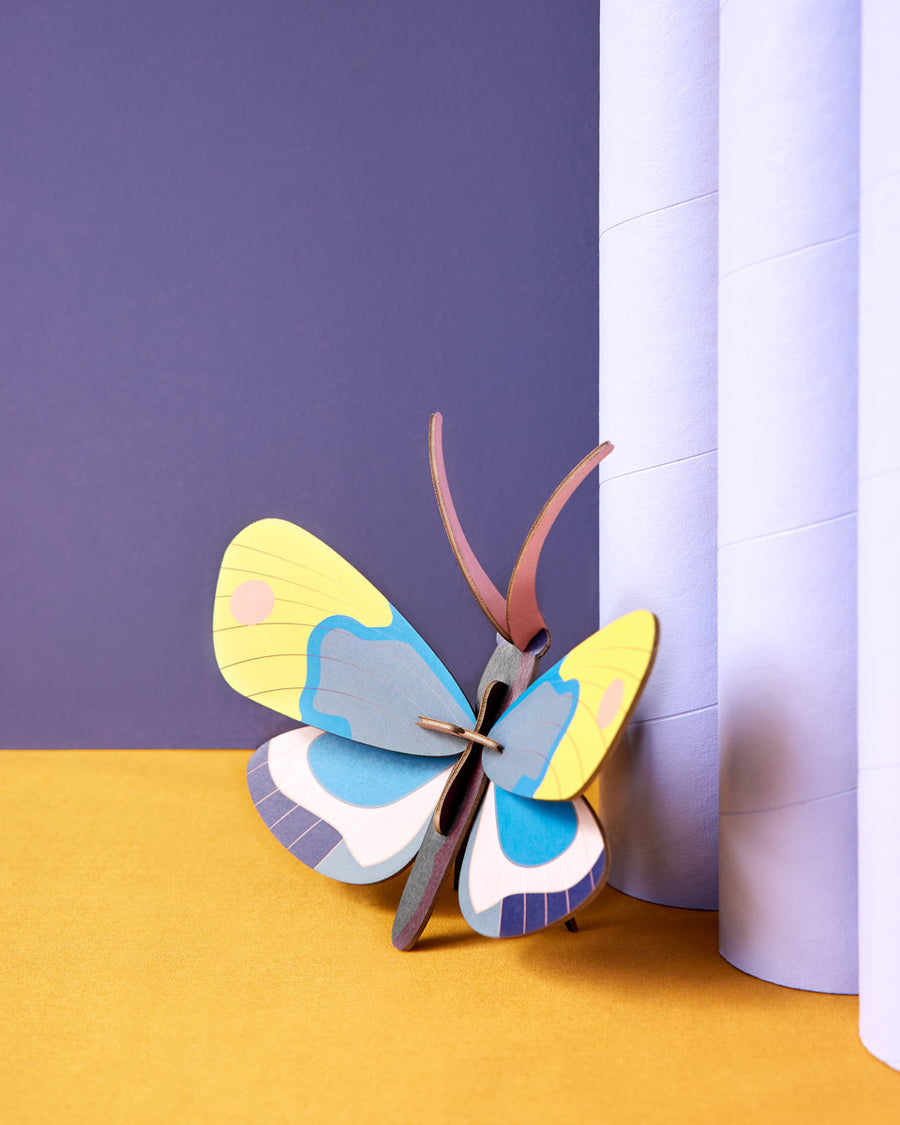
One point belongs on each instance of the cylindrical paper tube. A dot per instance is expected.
(787, 490)
(658, 105)
(879, 535)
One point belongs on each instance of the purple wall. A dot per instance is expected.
(248, 247)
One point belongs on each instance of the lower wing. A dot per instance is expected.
(530, 863)
(353, 812)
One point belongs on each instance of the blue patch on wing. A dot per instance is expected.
(533, 832)
(367, 775)
(305, 835)
(529, 733)
(523, 914)
(557, 906)
(372, 684)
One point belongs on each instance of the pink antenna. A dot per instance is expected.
(516, 617)
(486, 593)
(523, 616)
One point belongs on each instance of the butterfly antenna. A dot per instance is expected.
(524, 620)
(492, 602)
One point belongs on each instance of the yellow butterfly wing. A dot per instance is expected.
(557, 733)
(300, 630)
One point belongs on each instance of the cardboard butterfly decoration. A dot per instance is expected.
(393, 765)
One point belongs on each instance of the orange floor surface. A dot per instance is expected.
(165, 960)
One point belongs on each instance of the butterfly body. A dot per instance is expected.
(455, 811)
(391, 765)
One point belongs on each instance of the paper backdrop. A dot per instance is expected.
(248, 248)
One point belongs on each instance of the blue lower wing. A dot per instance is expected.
(353, 812)
(529, 863)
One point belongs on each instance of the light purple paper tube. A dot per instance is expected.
(658, 106)
(879, 535)
(787, 490)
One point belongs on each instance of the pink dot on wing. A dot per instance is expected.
(610, 703)
(252, 602)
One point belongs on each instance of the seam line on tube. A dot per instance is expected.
(788, 253)
(787, 530)
(879, 180)
(661, 465)
(656, 211)
(677, 715)
(789, 805)
(879, 473)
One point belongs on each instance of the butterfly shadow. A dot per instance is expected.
(757, 753)
(632, 945)
(449, 928)
(384, 898)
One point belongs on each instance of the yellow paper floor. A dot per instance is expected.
(167, 961)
